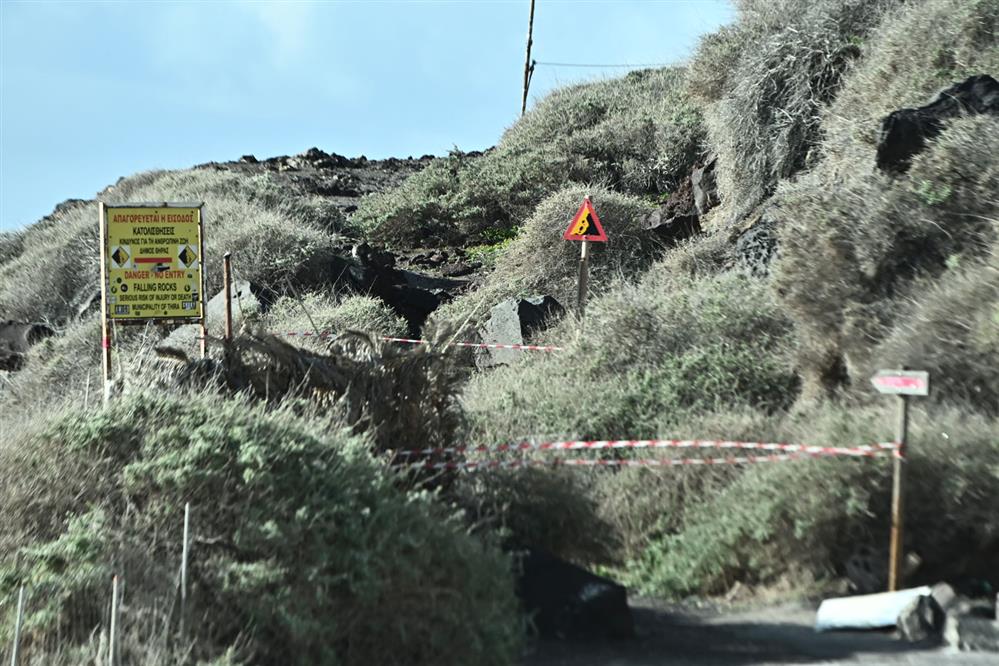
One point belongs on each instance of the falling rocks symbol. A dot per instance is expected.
(120, 256)
(187, 255)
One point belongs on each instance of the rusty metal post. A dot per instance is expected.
(227, 287)
(897, 490)
(528, 67)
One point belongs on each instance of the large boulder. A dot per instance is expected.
(16, 338)
(567, 601)
(248, 300)
(904, 132)
(921, 619)
(511, 322)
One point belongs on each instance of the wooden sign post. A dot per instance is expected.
(903, 384)
(585, 227)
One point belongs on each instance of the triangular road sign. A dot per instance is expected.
(585, 226)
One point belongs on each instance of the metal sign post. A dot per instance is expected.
(585, 227)
(903, 384)
(584, 277)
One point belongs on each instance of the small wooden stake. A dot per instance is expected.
(897, 489)
(185, 550)
(227, 286)
(528, 66)
(17, 628)
(113, 637)
(105, 329)
(584, 277)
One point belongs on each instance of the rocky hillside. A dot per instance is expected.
(813, 198)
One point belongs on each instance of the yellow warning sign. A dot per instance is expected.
(153, 262)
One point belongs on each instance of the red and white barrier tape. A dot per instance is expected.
(866, 450)
(410, 341)
(472, 465)
(479, 345)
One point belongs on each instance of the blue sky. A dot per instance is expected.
(91, 91)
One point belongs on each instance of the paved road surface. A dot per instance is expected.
(767, 637)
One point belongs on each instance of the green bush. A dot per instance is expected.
(637, 134)
(809, 516)
(304, 550)
(653, 358)
(649, 353)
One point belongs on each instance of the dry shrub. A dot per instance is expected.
(404, 397)
(274, 239)
(56, 268)
(318, 312)
(767, 80)
(952, 331)
(917, 50)
(849, 253)
(539, 261)
(636, 134)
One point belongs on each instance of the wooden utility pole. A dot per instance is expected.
(528, 65)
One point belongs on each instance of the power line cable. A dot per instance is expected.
(579, 64)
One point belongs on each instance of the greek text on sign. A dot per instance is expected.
(585, 226)
(154, 263)
(902, 382)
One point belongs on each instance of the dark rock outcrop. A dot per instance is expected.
(904, 132)
(16, 338)
(677, 219)
(565, 600)
(705, 185)
(412, 296)
(756, 243)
